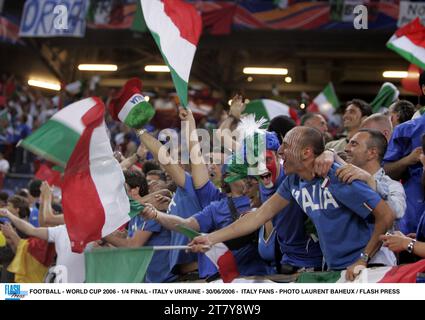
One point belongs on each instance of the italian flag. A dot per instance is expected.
(409, 42)
(94, 199)
(219, 254)
(399, 274)
(387, 94)
(268, 109)
(176, 27)
(326, 102)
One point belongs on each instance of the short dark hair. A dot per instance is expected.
(158, 173)
(314, 138)
(422, 80)
(34, 188)
(136, 179)
(150, 165)
(376, 140)
(281, 125)
(308, 116)
(404, 109)
(364, 107)
(21, 204)
(4, 196)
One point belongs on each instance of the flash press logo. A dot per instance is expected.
(13, 292)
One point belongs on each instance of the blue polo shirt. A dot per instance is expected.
(159, 269)
(339, 211)
(183, 204)
(33, 218)
(405, 138)
(297, 247)
(420, 232)
(217, 216)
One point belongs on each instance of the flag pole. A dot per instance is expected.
(157, 248)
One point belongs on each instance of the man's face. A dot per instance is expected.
(155, 183)
(352, 117)
(317, 122)
(290, 151)
(215, 161)
(356, 149)
(268, 179)
(253, 192)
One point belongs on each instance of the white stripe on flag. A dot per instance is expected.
(404, 43)
(275, 108)
(178, 51)
(323, 104)
(109, 181)
(71, 115)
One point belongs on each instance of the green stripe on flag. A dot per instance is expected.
(127, 265)
(179, 83)
(135, 208)
(139, 115)
(321, 277)
(257, 107)
(188, 232)
(407, 55)
(331, 96)
(53, 141)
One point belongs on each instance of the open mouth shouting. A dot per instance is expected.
(266, 179)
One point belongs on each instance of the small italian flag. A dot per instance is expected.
(326, 102)
(399, 274)
(387, 94)
(268, 109)
(409, 42)
(94, 199)
(176, 27)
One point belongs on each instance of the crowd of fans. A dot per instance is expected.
(356, 201)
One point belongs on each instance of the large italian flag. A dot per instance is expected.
(400, 274)
(409, 42)
(268, 109)
(326, 102)
(93, 195)
(176, 27)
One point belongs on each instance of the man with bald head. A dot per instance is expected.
(339, 211)
(378, 122)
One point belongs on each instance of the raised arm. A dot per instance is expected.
(46, 216)
(153, 145)
(24, 226)
(243, 226)
(197, 163)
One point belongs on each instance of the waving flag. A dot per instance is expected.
(399, 274)
(268, 109)
(176, 27)
(409, 42)
(326, 102)
(386, 96)
(93, 195)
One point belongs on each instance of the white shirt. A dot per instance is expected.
(74, 263)
(4, 165)
(392, 192)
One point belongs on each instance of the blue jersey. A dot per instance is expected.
(33, 218)
(405, 138)
(339, 211)
(159, 269)
(420, 232)
(183, 204)
(217, 216)
(296, 245)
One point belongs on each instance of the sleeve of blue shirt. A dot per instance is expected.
(151, 225)
(207, 194)
(284, 189)
(398, 147)
(205, 219)
(357, 196)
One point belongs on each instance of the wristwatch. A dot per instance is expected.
(364, 257)
(411, 246)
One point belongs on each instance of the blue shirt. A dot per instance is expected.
(217, 216)
(420, 232)
(159, 269)
(339, 212)
(297, 247)
(406, 137)
(33, 218)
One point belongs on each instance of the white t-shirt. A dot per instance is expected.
(73, 262)
(4, 165)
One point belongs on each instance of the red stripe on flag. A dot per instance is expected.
(228, 267)
(185, 18)
(83, 210)
(404, 274)
(415, 31)
(42, 251)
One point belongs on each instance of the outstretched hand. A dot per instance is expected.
(200, 244)
(237, 106)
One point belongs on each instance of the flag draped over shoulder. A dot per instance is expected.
(94, 199)
(399, 274)
(127, 265)
(176, 27)
(32, 260)
(409, 42)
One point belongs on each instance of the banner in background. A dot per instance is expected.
(409, 11)
(54, 18)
